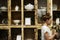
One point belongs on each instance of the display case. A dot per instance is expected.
(42, 9)
(3, 12)
(21, 18)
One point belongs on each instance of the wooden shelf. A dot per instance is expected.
(3, 24)
(15, 11)
(56, 10)
(16, 26)
(29, 11)
(31, 26)
(3, 11)
(4, 27)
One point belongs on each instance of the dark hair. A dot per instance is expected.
(46, 17)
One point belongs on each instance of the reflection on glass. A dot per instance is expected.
(56, 14)
(42, 6)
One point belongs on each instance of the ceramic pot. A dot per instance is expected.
(29, 7)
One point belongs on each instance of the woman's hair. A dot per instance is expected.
(46, 17)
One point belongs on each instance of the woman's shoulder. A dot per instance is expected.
(44, 27)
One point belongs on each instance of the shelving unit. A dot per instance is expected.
(25, 31)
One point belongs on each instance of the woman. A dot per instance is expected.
(45, 30)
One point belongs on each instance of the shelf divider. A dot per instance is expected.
(9, 12)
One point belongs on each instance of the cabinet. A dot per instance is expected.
(56, 11)
(11, 10)
(15, 10)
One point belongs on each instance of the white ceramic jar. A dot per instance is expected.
(29, 7)
(16, 8)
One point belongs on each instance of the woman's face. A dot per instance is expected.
(49, 21)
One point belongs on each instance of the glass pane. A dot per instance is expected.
(42, 5)
(29, 34)
(28, 5)
(3, 12)
(31, 15)
(56, 5)
(15, 5)
(15, 32)
(3, 34)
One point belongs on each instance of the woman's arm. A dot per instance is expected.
(47, 37)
